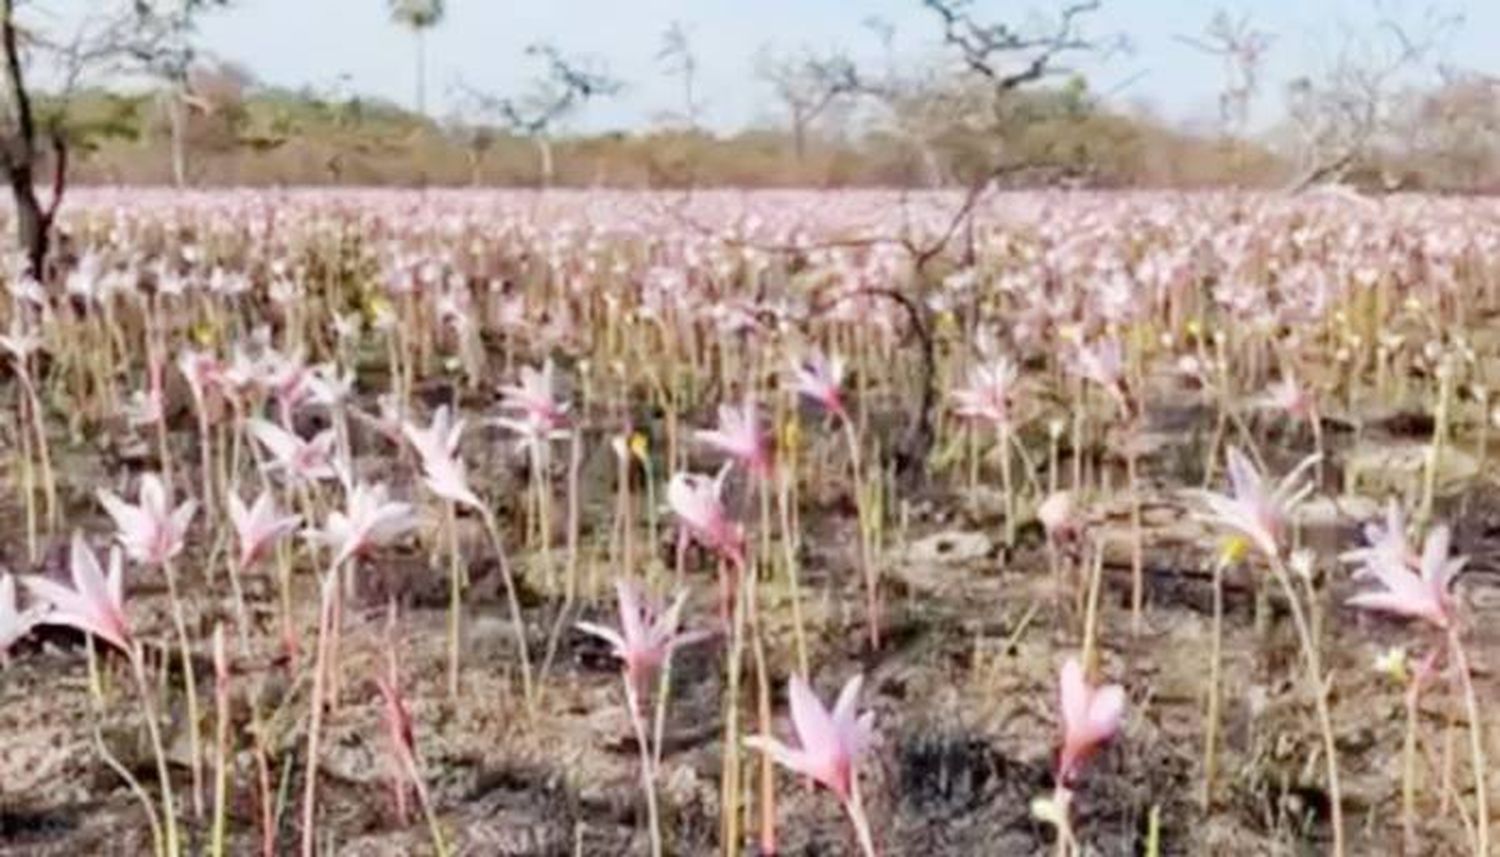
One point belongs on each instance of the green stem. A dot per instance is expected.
(190, 686)
(96, 700)
(492, 527)
(1320, 701)
(1215, 668)
(455, 600)
(153, 731)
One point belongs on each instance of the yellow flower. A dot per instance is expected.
(1233, 549)
(791, 435)
(1393, 664)
(376, 306)
(639, 445)
(204, 334)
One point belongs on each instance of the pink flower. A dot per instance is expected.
(95, 605)
(151, 532)
(329, 388)
(738, 436)
(1252, 509)
(989, 396)
(202, 371)
(820, 378)
(442, 468)
(647, 635)
(14, 623)
(241, 375)
(1104, 364)
(538, 413)
(1058, 516)
(259, 527)
(1090, 717)
(1413, 590)
(288, 379)
(695, 499)
(830, 743)
(1289, 397)
(301, 460)
(370, 521)
(1386, 544)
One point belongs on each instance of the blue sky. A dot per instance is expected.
(351, 44)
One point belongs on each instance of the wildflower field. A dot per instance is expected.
(805, 523)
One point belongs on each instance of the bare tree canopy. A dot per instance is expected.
(679, 60)
(564, 85)
(1242, 49)
(1010, 55)
(1341, 114)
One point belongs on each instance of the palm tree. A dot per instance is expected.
(420, 16)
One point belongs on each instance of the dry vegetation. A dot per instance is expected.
(1096, 361)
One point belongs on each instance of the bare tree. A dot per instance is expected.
(677, 56)
(478, 139)
(1452, 132)
(1340, 116)
(977, 93)
(563, 87)
(1241, 48)
(1009, 56)
(164, 49)
(807, 85)
(121, 38)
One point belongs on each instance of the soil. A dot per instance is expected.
(963, 689)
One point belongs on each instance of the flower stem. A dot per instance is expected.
(1320, 702)
(1215, 668)
(1476, 744)
(1409, 768)
(455, 600)
(859, 821)
(789, 556)
(153, 731)
(513, 600)
(648, 769)
(1009, 486)
(1137, 556)
(190, 686)
(872, 582)
(221, 743)
(314, 729)
(96, 699)
(730, 785)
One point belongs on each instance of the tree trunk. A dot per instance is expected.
(18, 152)
(421, 71)
(544, 151)
(177, 119)
(476, 161)
(33, 226)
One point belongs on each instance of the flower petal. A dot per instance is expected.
(816, 731)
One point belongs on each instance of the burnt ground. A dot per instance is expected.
(963, 688)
